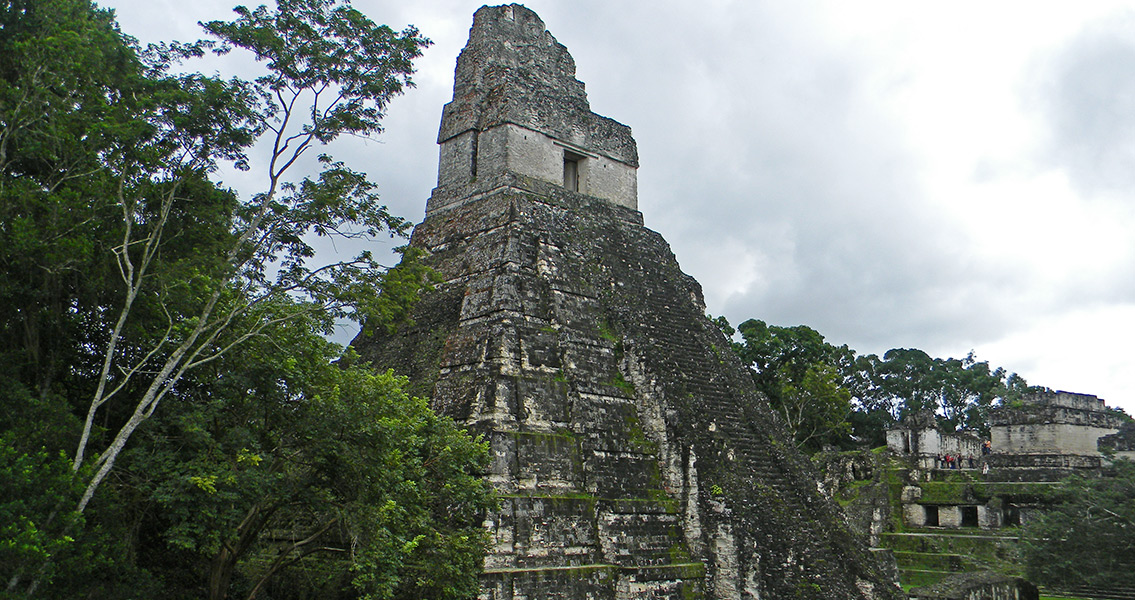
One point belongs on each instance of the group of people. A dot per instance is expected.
(958, 461)
(955, 461)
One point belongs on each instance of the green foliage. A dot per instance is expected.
(606, 332)
(376, 492)
(723, 324)
(400, 287)
(945, 492)
(850, 397)
(961, 391)
(800, 374)
(160, 336)
(33, 485)
(620, 382)
(817, 407)
(1086, 539)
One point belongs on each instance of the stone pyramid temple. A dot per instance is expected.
(631, 452)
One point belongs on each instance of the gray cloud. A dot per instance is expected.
(772, 163)
(1087, 93)
(766, 140)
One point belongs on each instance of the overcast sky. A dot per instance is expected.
(945, 176)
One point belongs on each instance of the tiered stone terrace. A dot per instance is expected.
(632, 453)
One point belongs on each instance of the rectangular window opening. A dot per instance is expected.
(571, 170)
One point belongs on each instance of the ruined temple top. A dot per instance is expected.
(1063, 399)
(518, 110)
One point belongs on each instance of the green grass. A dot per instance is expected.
(607, 332)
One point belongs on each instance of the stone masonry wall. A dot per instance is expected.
(1048, 438)
(629, 444)
(632, 453)
(517, 107)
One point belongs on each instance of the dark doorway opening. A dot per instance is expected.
(1011, 516)
(969, 516)
(931, 516)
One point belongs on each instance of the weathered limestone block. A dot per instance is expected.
(911, 493)
(989, 516)
(518, 110)
(633, 454)
(1053, 423)
(949, 516)
(914, 515)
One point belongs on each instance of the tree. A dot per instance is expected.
(802, 376)
(1086, 538)
(961, 391)
(828, 394)
(817, 408)
(132, 281)
(331, 72)
(287, 472)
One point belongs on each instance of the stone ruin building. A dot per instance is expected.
(941, 523)
(632, 454)
(918, 436)
(1039, 440)
(1048, 434)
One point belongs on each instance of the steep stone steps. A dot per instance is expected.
(934, 561)
(926, 556)
(922, 577)
(1093, 593)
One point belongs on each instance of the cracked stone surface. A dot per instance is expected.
(633, 456)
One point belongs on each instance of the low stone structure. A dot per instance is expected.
(1053, 423)
(977, 586)
(918, 436)
(1120, 444)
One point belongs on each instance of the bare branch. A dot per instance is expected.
(282, 560)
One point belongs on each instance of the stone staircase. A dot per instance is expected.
(633, 457)
(1092, 593)
(926, 556)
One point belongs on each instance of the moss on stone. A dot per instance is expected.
(620, 382)
(607, 332)
(945, 492)
(636, 437)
